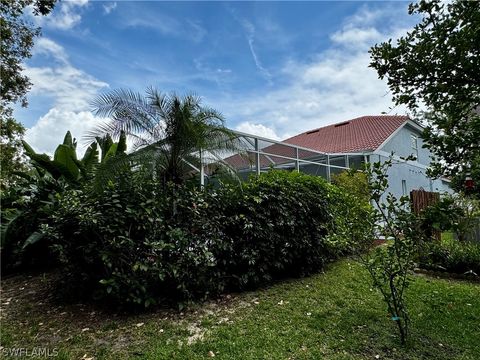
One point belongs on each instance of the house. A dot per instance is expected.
(376, 138)
(349, 144)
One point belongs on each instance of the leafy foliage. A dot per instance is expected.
(17, 35)
(459, 216)
(389, 264)
(123, 245)
(353, 182)
(451, 256)
(436, 64)
(11, 160)
(23, 213)
(352, 211)
(27, 205)
(168, 131)
(106, 237)
(455, 213)
(278, 226)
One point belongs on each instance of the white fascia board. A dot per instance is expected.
(415, 125)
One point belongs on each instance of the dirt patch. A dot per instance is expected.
(197, 333)
(33, 315)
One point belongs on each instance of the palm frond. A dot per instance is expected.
(166, 130)
(128, 111)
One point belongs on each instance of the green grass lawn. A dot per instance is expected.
(335, 315)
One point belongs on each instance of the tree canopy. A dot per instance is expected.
(434, 71)
(17, 35)
(11, 133)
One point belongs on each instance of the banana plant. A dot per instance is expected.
(65, 163)
(34, 201)
(109, 148)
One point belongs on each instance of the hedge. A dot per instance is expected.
(137, 245)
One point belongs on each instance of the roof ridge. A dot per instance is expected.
(349, 120)
(365, 132)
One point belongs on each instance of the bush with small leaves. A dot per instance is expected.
(389, 265)
(126, 245)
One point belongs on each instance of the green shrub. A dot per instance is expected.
(120, 246)
(277, 226)
(134, 245)
(353, 214)
(27, 206)
(451, 256)
(354, 183)
(456, 213)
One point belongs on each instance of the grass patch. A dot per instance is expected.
(335, 315)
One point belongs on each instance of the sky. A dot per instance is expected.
(272, 69)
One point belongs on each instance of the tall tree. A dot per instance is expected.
(436, 66)
(11, 133)
(17, 35)
(169, 133)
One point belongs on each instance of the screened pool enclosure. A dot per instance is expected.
(259, 154)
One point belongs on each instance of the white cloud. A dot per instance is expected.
(72, 91)
(367, 16)
(65, 15)
(71, 88)
(50, 129)
(250, 33)
(256, 59)
(336, 85)
(165, 25)
(257, 129)
(357, 37)
(47, 47)
(109, 7)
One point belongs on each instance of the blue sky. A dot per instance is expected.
(272, 68)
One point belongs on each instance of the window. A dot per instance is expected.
(414, 140)
(404, 187)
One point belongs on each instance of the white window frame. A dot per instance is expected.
(404, 188)
(414, 144)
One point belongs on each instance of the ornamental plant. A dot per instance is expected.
(122, 245)
(390, 264)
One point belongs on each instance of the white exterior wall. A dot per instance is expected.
(409, 175)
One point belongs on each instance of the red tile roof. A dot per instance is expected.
(359, 134)
(365, 133)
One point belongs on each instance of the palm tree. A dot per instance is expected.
(171, 135)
